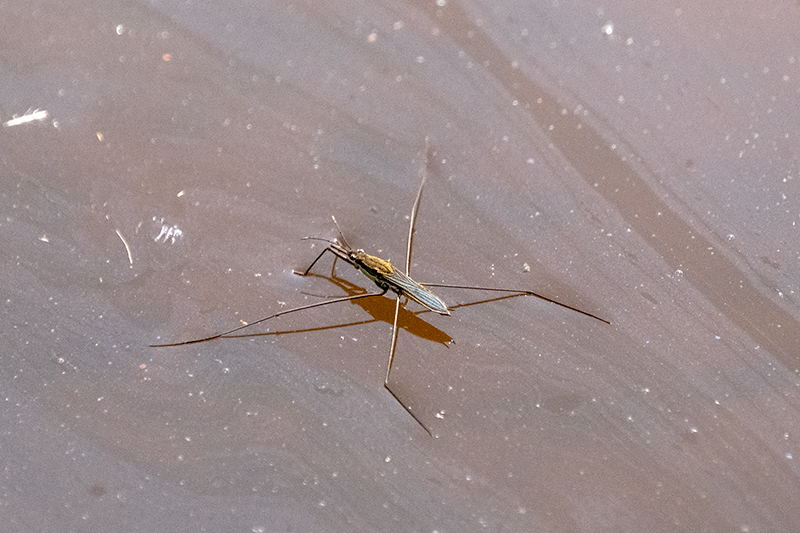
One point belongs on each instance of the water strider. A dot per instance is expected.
(387, 278)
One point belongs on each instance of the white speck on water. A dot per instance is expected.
(168, 233)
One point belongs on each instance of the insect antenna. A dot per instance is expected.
(329, 241)
(341, 234)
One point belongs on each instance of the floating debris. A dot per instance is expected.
(29, 116)
(127, 248)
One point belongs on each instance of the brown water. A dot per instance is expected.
(648, 176)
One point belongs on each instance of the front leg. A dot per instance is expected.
(315, 262)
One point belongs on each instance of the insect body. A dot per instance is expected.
(382, 273)
(385, 275)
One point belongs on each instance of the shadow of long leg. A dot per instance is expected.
(519, 291)
(279, 313)
(389, 369)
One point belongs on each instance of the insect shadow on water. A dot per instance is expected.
(380, 310)
(387, 278)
